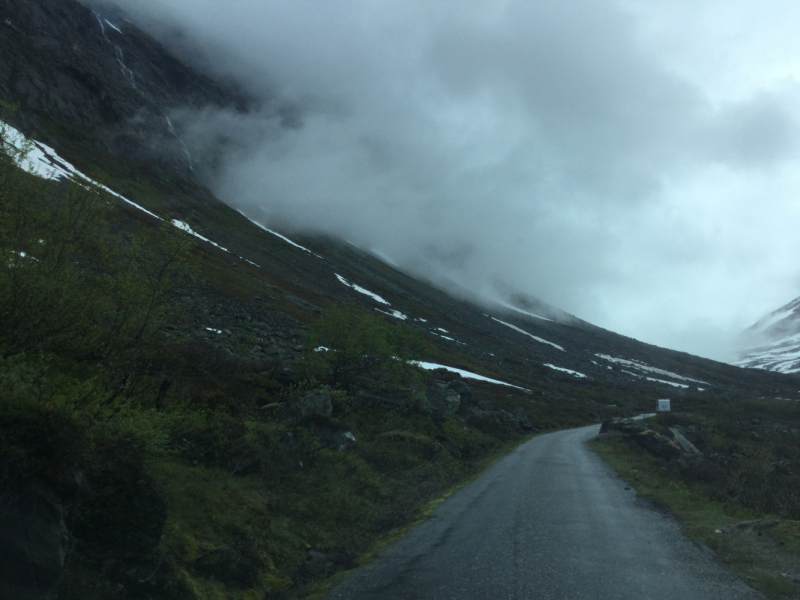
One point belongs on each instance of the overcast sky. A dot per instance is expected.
(634, 163)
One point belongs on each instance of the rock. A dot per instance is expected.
(443, 399)
(522, 419)
(498, 423)
(626, 426)
(315, 403)
(286, 375)
(657, 444)
(33, 541)
(332, 435)
(686, 446)
(460, 387)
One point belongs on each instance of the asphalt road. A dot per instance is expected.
(549, 521)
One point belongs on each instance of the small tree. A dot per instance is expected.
(68, 285)
(348, 343)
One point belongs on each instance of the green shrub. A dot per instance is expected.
(349, 343)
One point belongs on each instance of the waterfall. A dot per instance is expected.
(130, 78)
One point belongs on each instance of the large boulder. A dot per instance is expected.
(687, 447)
(657, 444)
(654, 442)
(460, 387)
(522, 419)
(314, 403)
(444, 400)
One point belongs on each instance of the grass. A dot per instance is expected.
(768, 561)
(318, 590)
(229, 535)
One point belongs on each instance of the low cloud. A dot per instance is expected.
(549, 146)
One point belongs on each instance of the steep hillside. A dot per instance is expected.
(99, 92)
(249, 430)
(773, 343)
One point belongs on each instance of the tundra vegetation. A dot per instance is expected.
(184, 470)
(739, 495)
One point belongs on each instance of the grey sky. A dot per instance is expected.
(634, 163)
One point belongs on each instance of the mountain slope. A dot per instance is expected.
(773, 343)
(232, 470)
(81, 79)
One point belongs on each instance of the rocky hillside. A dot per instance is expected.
(259, 434)
(99, 92)
(773, 343)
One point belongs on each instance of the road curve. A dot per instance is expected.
(550, 521)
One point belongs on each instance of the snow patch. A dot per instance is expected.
(43, 161)
(185, 227)
(394, 313)
(114, 27)
(275, 233)
(777, 316)
(672, 383)
(538, 339)
(466, 374)
(570, 371)
(635, 364)
(524, 312)
(361, 290)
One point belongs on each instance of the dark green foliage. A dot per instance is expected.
(123, 513)
(751, 453)
(70, 286)
(44, 443)
(211, 489)
(348, 343)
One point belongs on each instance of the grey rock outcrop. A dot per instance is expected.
(686, 446)
(315, 403)
(654, 442)
(499, 423)
(116, 82)
(444, 400)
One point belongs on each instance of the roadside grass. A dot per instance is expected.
(768, 560)
(230, 535)
(318, 589)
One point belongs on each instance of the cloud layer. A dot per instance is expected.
(631, 163)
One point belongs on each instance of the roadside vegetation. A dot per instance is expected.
(740, 496)
(184, 470)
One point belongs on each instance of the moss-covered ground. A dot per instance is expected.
(766, 553)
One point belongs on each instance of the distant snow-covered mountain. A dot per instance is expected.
(773, 343)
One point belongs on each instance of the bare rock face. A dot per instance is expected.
(33, 541)
(94, 77)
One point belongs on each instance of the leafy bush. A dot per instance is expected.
(349, 343)
(71, 287)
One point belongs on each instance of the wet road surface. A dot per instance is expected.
(550, 521)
